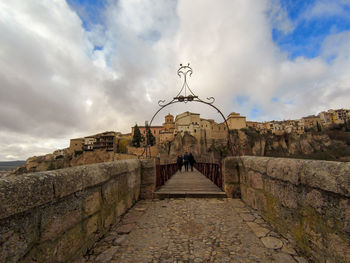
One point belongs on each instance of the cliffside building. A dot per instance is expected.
(236, 122)
(76, 144)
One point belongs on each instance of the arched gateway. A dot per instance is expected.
(186, 95)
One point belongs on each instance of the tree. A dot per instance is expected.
(137, 138)
(151, 140)
(318, 127)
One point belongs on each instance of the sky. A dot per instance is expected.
(74, 68)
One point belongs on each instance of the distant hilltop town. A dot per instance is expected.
(192, 124)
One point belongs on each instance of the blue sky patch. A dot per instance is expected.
(313, 21)
(89, 11)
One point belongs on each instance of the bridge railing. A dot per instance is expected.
(212, 171)
(164, 172)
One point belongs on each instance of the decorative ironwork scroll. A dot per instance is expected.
(186, 95)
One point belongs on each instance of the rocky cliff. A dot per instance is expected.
(326, 145)
(67, 159)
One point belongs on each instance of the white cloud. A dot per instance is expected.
(55, 86)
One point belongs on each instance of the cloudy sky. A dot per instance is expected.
(77, 67)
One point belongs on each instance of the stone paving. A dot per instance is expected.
(192, 230)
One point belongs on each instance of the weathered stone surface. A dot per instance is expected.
(345, 208)
(285, 169)
(21, 193)
(287, 195)
(272, 242)
(257, 229)
(17, 234)
(255, 180)
(236, 203)
(148, 179)
(92, 203)
(232, 190)
(301, 260)
(69, 244)
(283, 257)
(256, 164)
(106, 255)
(92, 225)
(314, 199)
(288, 250)
(186, 230)
(247, 217)
(110, 192)
(60, 213)
(59, 218)
(329, 176)
(230, 171)
(125, 229)
(339, 247)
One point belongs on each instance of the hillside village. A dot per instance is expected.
(196, 126)
(205, 137)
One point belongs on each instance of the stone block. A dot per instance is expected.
(232, 190)
(261, 201)
(18, 234)
(230, 171)
(92, 202)
(110, 192)
(21, 193)
(250, 198)
(67, 181)
(69, 244)
(257, 164)
(287, 195)
(338, 248)
(59, 218)
(344, 206)
(121, 208)
(285, 169)
(92, 225)
(255, 180)
(272, 242)
(98, 173)
(108, 220)
(314, 199)
(328, 176)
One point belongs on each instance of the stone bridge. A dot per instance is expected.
(272, 210)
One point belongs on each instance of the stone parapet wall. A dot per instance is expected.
(56, 215)
(306, 201)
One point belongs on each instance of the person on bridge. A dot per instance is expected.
(186, 156)
(191, 160)
(179, 163)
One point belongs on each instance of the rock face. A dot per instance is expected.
(334, 145)
(67, 159)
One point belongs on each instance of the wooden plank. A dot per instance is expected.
(189, 184)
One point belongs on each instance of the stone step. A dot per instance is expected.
(189, 194)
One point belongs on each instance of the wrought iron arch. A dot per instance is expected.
(186, 95)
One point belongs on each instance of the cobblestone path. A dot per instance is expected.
(192, 230)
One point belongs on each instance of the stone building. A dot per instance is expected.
(188, 122)
(236, 121)
(76, 144)
(167, 134)
(89, 143)
(105, 140)
(310, 122)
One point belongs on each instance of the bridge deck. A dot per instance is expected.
(192, 230)
(189, 184)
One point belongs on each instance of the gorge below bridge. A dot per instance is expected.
(260, 210)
